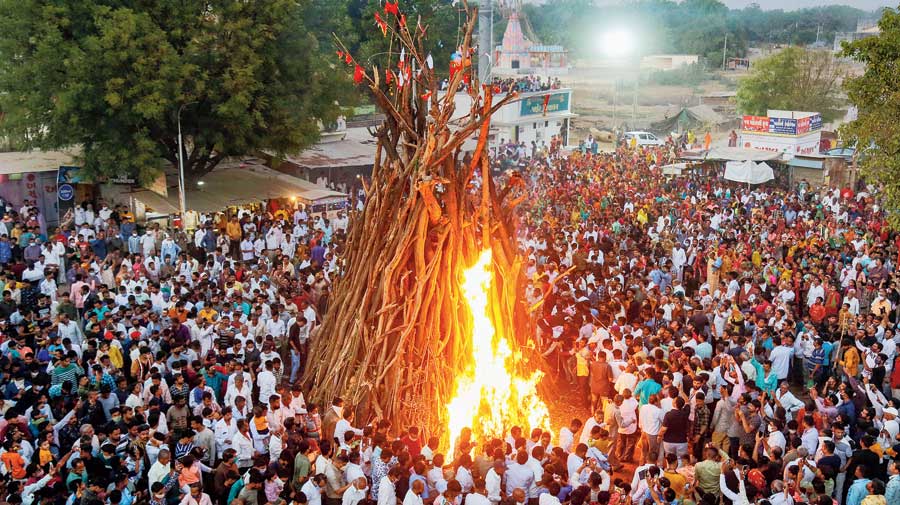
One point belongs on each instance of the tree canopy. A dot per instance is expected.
(794, 78)
(111, 76)
(876, 131)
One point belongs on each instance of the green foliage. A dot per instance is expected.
(441, 19)
(876, 131)
(111, 76)
(793, 79)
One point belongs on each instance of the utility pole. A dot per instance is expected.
(485, 39)
(725, 52)
(182, 190)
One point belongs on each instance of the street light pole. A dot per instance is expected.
(725, 52)
(182, 200)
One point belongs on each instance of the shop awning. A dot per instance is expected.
(741, 154)
(805, 163)
(236, 184)
(34, 161)
(748, 172)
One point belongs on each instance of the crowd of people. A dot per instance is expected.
(734, 343)
(726, 344)
(146, 365)
(525, 84)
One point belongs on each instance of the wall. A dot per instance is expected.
(40, 186)
(815, 176)
(523, 120)
(804, 144)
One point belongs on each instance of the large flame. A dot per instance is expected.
(491, 396)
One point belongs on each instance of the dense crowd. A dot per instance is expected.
(728, 344)
(735, 343)
(525, 84)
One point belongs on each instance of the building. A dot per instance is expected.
(519, 55)
(864, 28)
(534, 117)
(791, 133)
(32, 176)
(668, 61)
(233, 184)
(336, 163)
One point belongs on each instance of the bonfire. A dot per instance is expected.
(428, 326)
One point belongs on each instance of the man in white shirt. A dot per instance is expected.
(479, 497)
(551, 497)
(577, 464)
(387, 491)
(414, 495)
(266, 382)
(781, 357)
(589, 424)
(160, 469)
(492, 482)
(567, 435)
(626, 380)
(355, 493)
(810, 437)
(225, 430)
(815, 291)
(788, 401)
(651, 417)
(67, 328)
(626, 420)
(313, 489)
(519, 474)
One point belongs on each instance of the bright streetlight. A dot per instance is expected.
(617, 43)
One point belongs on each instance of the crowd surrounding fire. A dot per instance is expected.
(715, 342)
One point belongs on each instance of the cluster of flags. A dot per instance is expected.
(403, 73)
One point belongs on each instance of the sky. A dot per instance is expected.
(786, 4)
(799, 4)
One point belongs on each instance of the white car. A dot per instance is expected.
(643, 139)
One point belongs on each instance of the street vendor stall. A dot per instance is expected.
(244, 184)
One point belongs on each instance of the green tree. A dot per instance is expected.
(110, 76)
(876, 131)
(441, 19)
(794, 79)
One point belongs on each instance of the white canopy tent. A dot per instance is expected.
(748, 172)
(674, 168)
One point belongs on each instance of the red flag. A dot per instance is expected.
(392, 8)
(358, 74)
(426, 96)
(348, 58)
(402, 20)
(340, 55)
(388, 77)
(546, 103)
(381, 24)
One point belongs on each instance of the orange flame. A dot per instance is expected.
(491, 397)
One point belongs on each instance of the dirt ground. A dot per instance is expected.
(603, 99)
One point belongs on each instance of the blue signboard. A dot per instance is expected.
(533, 105)
(66, 192)
(783, 125)
(815, 122)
